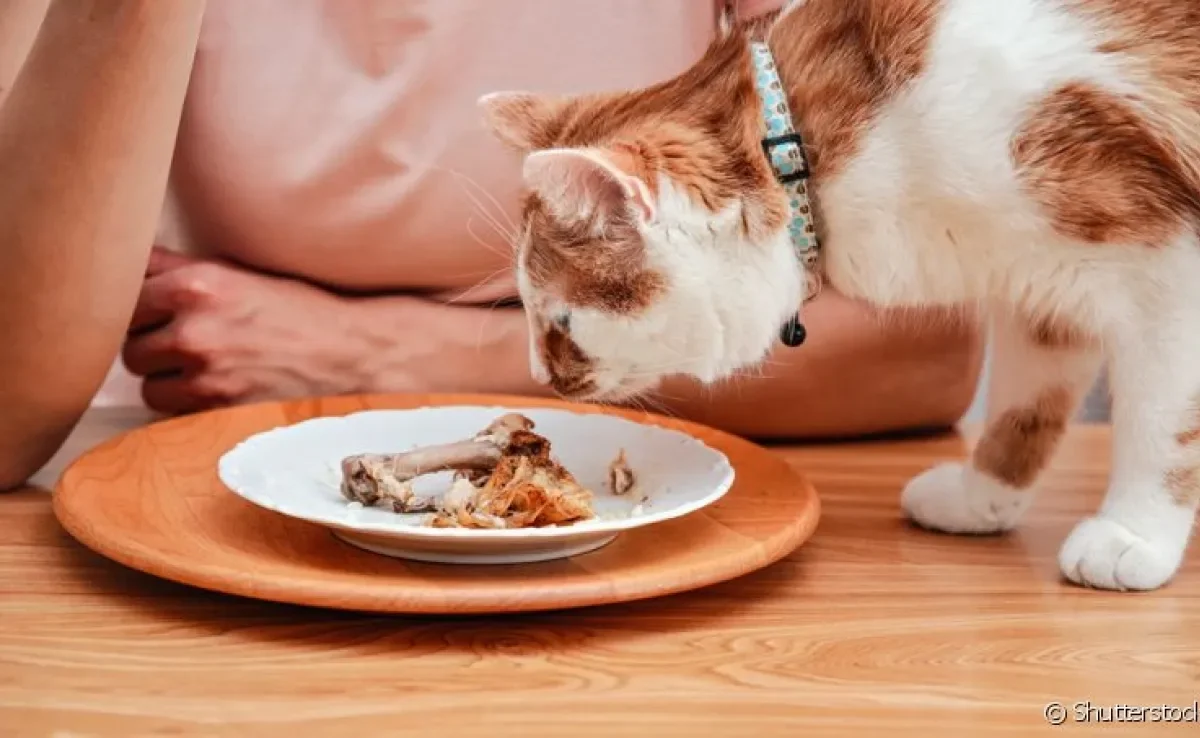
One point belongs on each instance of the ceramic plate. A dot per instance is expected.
(295, 471)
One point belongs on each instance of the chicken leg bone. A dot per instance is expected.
(385, 479)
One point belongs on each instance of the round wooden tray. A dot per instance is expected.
(151, 500)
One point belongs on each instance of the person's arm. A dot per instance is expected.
(857, 374)
(748, 9)
(19, 24)
(208, 333)
(86, 138)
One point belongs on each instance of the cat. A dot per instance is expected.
(1036, 162)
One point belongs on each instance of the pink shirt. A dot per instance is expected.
(339, 140)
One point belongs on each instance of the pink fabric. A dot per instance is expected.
(317, 128)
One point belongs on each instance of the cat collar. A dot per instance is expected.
(784, 149)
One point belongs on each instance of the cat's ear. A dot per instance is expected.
(580, 181)
(520, 119)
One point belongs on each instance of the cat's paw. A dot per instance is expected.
(1104, 554)
(954, 499)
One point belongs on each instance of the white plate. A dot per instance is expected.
(295, 470)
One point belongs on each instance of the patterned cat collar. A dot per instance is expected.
(784, 149)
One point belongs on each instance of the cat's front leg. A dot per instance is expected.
(1039, 373)
(1137, 539)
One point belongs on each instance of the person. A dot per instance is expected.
(337, 219)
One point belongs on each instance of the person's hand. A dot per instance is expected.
(208, 333)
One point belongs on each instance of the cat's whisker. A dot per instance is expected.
(759, 371)
(638, 403)
(488, 278)
(647, 370)
(649, 373)
(659, 407)
(489, 313)
(647, 405)
(513, 228)
(478, 285)
(508, 236)
(508, 231)
(479, 240)
(666, 396)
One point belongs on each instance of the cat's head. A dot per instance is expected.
(653, 240)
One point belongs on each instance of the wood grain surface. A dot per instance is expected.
(870, 629)
(151, 499)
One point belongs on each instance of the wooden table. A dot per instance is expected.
(871, 629)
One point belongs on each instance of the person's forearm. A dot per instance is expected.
(406, 342)
(856, 375)
(86, 139)
(747, 9)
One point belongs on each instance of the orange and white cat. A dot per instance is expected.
(1037, 159)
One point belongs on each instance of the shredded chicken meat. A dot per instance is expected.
(505, 477)
(621, 478)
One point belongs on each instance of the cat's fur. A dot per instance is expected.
(1039, 159)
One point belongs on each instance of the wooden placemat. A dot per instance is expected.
(151, 500)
